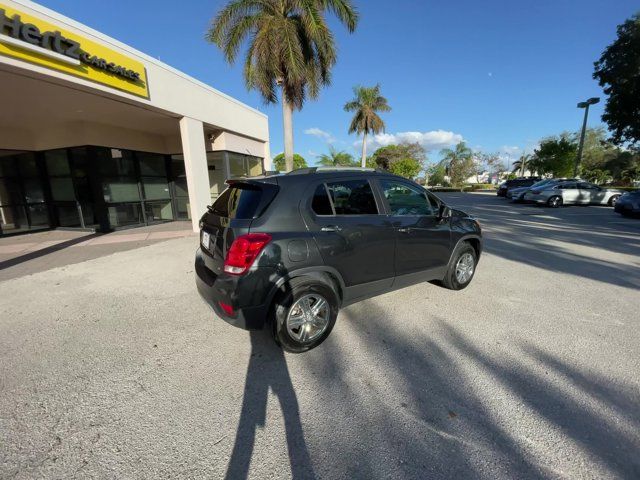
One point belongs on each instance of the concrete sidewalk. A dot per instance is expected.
(27, 254)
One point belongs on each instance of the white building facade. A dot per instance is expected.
(96, 135)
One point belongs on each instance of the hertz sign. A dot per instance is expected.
(36, 41)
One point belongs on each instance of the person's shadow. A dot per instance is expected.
(268, 370)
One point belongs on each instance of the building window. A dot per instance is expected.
(22, 199)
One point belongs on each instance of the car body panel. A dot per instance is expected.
(366, 257)
(628, 203)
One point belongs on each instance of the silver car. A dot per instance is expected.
(517, 194)
(571, 192)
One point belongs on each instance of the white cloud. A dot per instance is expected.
(432, 140)
(510, 150)
(321, 134)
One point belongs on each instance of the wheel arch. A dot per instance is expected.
(325, 275)
(474, 240)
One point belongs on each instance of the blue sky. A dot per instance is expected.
(498, 74)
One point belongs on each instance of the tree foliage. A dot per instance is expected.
(436, 174)
(290, 43)
(366, 105)
(337, 158)
(459, 163)
(618, 72)
(298, 162)
(406, 159)
(555, 156)
(406, 167)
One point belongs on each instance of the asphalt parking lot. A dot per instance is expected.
(114, 368)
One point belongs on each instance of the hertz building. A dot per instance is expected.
(96, 135)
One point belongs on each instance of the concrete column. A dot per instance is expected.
(195, 163)
(267, 162)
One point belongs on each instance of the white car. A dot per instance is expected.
(571, 192)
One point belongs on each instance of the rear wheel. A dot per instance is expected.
(613, 200)
(304, 315)
(462, 268)
(555, 201)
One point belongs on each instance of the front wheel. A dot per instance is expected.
(462, 268)
(554, 202)
(304, 315)
(613, 200)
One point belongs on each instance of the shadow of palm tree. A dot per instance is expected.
(415, 406)
(268, 370)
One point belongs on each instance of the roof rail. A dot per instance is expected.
(303, 171)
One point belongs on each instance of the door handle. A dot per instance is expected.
(405, 229)
(331, 228)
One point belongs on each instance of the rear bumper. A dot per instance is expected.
(243, 293)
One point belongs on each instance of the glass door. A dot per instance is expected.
(155, 187)
(22, 199)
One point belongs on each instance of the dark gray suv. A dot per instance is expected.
(288, 251)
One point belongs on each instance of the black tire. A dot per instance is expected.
(450, 280)
(555, 201)
(286, 299)
(613, 200)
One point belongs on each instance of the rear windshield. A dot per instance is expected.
(238, 202)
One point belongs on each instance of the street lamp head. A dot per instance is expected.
(591, 101)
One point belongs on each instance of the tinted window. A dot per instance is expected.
(321, 204)
(587, 186)
(567, 186)
(238, 202)
(352, 197)
(405, 200)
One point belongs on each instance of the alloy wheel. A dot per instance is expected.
(464, 268)
(308, 318)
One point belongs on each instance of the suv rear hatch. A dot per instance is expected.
(231, 215)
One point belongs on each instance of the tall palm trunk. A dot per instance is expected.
(363, 161)
(287, 120)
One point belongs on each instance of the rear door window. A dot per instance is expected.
(321, 205)
(352, 197)
(239, 202)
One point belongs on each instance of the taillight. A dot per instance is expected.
(228, 309)
(243, 252)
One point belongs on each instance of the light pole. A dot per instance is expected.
(585, 105)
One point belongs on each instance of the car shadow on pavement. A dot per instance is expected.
(445, 428)
(268, 370)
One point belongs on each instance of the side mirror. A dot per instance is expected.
(444, 212)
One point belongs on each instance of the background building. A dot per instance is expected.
(96, 135)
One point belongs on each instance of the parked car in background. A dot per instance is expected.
(288, 251)
(628, 204)
(515, 183)
(517, 194)
(570, 192)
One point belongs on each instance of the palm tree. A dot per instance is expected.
(336, 158)
(521, 164)
(366, 105)
(290, 47)
(458, 162)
